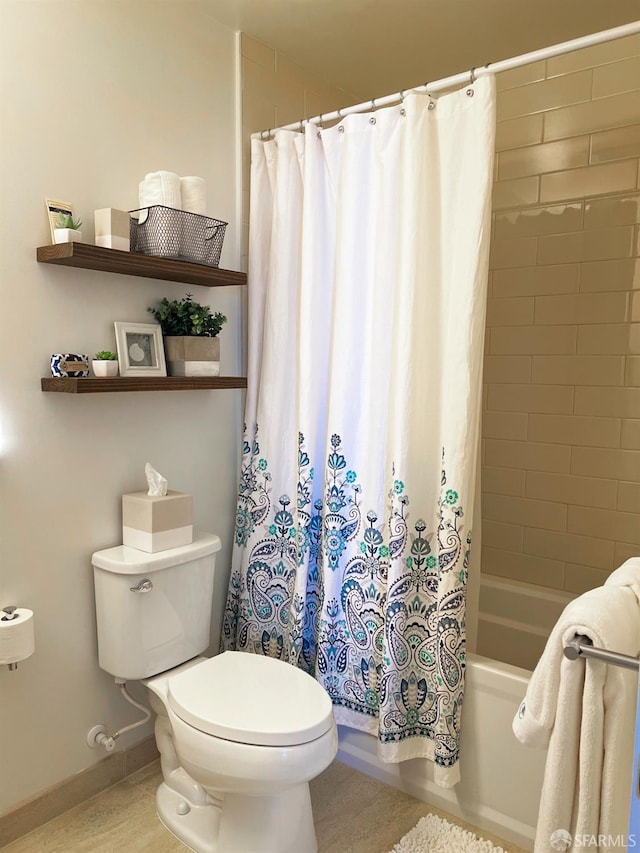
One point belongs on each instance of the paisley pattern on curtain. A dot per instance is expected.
(368, 264)
(379, 649)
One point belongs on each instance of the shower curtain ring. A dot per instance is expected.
(472, 76)
(373, 104)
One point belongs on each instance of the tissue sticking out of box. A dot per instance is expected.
(156, 482)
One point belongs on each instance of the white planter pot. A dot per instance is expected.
(104, 368)
(67, 235)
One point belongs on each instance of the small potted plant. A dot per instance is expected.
(69, 230)
(105, 363)
(190, 333)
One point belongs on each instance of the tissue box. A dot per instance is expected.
(112, 229)
(156, 524)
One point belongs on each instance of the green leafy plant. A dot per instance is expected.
(105, 355)
(186, 317)
(67, 221)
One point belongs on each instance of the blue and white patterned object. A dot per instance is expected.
(391, 645)
(69, 364)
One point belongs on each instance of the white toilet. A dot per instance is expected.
(240, 735)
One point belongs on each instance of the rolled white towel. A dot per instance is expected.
(194, 194)
(160, 188)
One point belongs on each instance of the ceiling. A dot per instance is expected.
(373, 48)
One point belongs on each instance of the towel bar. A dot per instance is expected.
(581, 646)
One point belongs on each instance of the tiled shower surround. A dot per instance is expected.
(561, 421)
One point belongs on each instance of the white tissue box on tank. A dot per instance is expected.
(157, 523)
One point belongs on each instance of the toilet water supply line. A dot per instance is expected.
(98, 735)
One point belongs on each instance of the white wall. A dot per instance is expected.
(96, 93)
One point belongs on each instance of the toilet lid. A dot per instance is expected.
(251, 699)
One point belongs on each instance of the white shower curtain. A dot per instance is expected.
(367, 289)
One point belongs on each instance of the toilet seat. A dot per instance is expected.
(251, 699)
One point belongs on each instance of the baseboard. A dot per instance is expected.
(75, 790)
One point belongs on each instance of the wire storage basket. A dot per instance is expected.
(169, 233)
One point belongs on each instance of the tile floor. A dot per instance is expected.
(353, 814)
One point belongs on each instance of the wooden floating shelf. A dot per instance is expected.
(91, 385)
(86, 256)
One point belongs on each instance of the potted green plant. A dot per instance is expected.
(105, 363)
(190, 331)
(68, 230)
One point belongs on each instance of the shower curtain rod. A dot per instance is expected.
(466, 76)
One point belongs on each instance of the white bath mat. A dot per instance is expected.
(433, 834)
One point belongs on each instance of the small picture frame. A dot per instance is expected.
(57, 212)
(140, 349)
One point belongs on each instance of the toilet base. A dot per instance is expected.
(282, 823)
(198, 828)
(279, 824)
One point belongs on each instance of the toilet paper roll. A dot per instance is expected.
(17, 637)
(193, 191)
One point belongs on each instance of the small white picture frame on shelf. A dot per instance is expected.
(140, 349)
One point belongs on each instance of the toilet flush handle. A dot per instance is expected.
(145, 585)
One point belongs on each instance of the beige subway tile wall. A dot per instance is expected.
(561, 426)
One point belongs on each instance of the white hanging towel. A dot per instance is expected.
(583, 712)
(194, 194)
(161, 188)
(627, 575)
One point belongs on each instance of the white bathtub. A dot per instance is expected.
(501, 779)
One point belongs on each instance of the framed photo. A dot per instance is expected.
(140, 349)
(57, 212)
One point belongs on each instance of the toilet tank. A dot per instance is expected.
(153, 611)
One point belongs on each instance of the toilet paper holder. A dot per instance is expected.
(9, 613)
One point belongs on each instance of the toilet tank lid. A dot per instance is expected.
(124, 560)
